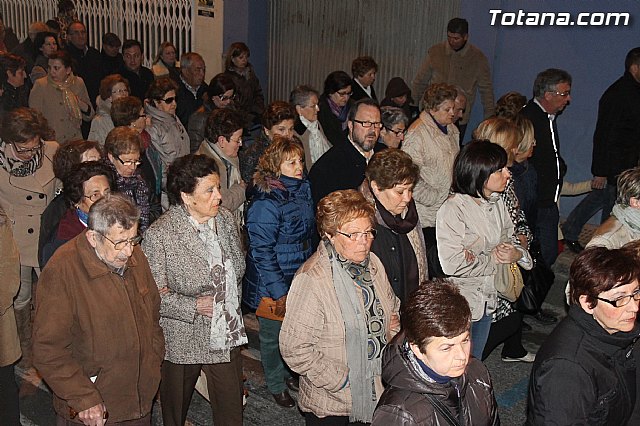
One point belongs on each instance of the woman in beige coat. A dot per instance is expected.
(27, 185)
(62, 97)
(10, 347)
(340, 314)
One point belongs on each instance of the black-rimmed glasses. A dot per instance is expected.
(27, 150)
(367, 124)
(97, 195)
(128, 162)
(395, 132)
(622, 300)
(224, 97)
(120, 245)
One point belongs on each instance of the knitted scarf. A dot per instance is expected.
(16, 167)
(629, 216)
(339, 111)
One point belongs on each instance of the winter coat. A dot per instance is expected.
(357, 92)
(169, 139)
(312, 338)
(24, 199)
(101, 124)
(50, 102)
(280, 224)
(88, 64)
(197, 124)
(583, 375)
(250, 99)
(434, 152)
(469, 397)
(617, 135)
(178, 261)
(233, 196)
(93, 322)
(187, 102)
(139, 82)
(10, 284)
(463, 225)
(342, 167)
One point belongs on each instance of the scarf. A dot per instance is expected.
(318, 143)
(362, 370)
(629, 216)
(397, 223)
(227, 327)
(340, 112)
(16, 167)
(136, 188)
(69, 99)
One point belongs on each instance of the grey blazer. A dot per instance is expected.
(177, 261)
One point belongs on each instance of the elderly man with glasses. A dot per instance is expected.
(97, 339)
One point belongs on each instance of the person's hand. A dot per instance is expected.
(469, 256)
(506, 253)
(598, 182)
(394, 325)
(281, 306)
(164, 290)
(204, 306)
(94, 416)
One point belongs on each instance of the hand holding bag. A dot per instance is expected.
(537, 282)
(508, 280)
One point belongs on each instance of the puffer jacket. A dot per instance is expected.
(469, 397)
(280, 224)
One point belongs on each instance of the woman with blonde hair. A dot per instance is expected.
(165, 63)
(280, 225)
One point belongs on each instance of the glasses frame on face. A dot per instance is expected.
(223, 98)
(355, 236)
(97, 196)
(168, 100)
(367, 124)
(344, 94)
(128, 162)
(33, 150)
(115, 92)
(622, 300)
(395, 132)
(120, 245)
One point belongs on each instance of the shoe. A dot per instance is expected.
(526, 327)
(529, 357)
(293, 384)
(283, 399)
(545, 318)
(574, 246)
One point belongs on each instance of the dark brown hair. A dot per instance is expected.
(277, 112)
(598, 269)
(392, 167)
(435, 309)
(362, 65)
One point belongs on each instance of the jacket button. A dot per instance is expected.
(29, 197)
(30, 230)
(395, 280)
(393, 248)
(41, 196)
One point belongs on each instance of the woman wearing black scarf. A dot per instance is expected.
(390, 178)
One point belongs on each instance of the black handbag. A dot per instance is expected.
(537, 283)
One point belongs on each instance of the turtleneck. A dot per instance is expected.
(443, 380)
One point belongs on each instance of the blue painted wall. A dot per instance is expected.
(593, 55)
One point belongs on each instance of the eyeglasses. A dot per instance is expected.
(563, 94)
(27, 150)
(142, 116)
(128, 162)
(395, 132)
(355, 236)
(97, 195)
(120, 245)
(115, 92)
(344, 94)
(622, 300)
(168, 100)
(239, 140)
(367, 124)
(224, 98)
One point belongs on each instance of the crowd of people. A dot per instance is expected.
(382, 257)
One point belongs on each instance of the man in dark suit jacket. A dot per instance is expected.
(343, 166)
(364, 70)
(139, 77)
(87, 61)
(191, 86)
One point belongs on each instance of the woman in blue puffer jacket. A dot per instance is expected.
(280, 224)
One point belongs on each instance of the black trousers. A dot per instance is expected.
(509, 331)
(9, 401)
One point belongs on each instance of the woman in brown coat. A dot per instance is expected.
(27, 186)
(10, 347)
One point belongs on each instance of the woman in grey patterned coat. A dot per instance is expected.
(195, 257)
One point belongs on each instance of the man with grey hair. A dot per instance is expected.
(552, 93)
(343, 166)
(394, 127)
(191, 86)
(97, 340)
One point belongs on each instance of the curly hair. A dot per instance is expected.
(125, 111)
(161, 87)
(70, 154)
(279, 150)
(107, 83)
(277, 112)
(341, 207)
(80, 173)
(437, 94)
(222, 122)
(510, 104)
(362, 65)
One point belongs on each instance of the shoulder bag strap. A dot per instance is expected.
(442, 410)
